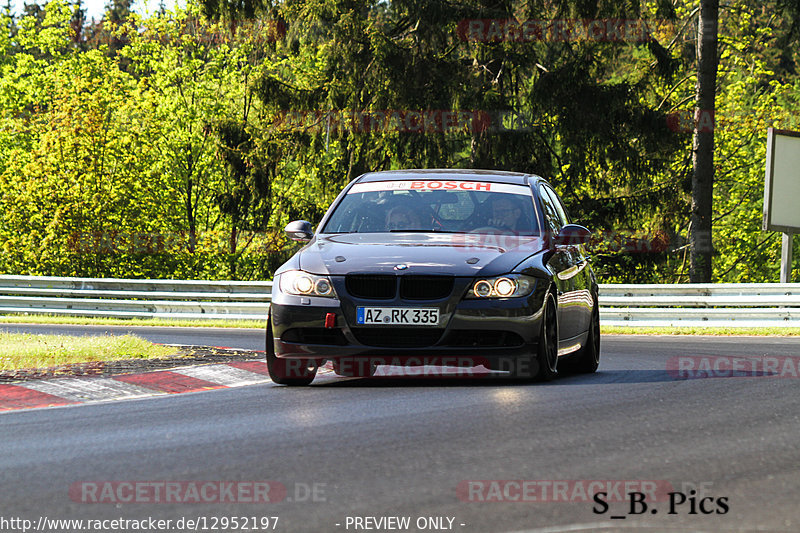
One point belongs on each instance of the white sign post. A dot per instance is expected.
(782, 192)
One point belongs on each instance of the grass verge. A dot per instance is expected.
(23, 350)
(168, 322)
(684, 330)
(260, 324)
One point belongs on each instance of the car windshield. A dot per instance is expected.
(431, 206)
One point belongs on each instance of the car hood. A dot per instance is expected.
(457, 254)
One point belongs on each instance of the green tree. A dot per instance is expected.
(594, 130)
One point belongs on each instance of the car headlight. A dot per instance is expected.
(302, 283)
(508, 286)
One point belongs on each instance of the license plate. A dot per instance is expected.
(398, 316)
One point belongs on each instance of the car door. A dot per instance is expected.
(575, 304)
(560, 264)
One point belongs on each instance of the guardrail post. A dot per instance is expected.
(786, 258)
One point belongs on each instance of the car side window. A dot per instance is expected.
(551, 216)
(562, 213)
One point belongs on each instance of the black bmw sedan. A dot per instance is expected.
(437, 267)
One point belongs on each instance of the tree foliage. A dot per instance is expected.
(179, 144)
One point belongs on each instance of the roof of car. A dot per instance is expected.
(494, 176)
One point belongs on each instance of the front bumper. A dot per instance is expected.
(484, 331)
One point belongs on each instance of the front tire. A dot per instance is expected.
(541, 366)
(548, 341)
(587, 359)
(287, 372)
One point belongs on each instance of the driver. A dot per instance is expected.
(506, 213)
(402, 217)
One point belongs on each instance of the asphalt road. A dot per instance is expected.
(404, 447)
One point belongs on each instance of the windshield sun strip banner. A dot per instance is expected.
(440, 185)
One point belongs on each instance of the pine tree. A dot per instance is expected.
(77, 24)
(118, 11)
(702, 250)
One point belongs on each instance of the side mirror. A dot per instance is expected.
(299, 231)
(573, 234)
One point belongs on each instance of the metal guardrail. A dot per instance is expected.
(135, 298)
(701, 304)
(728, 305)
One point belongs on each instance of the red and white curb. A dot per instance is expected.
(71, 391)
